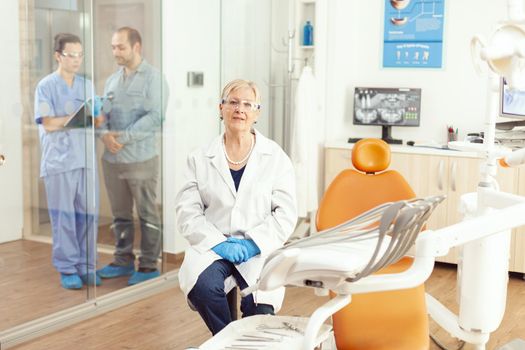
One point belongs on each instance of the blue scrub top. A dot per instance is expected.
(62, 150)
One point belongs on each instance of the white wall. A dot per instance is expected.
(226, 40)
(451, 95)
(246, 53)
(11, 209)
(191, 42)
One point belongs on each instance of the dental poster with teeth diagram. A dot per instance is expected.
(413, 36)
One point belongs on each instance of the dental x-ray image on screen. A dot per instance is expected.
(387, 107)
(512, 101)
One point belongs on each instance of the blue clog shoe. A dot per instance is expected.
(91, 279)
(113, 271)
(70, 281)
(138, 276)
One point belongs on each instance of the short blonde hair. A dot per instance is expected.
(241, 84)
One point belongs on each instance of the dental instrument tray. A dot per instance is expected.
(264, 332)
(344, 254)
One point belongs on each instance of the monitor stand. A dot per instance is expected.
(387, 135)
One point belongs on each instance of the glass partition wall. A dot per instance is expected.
(57, 249)
(93, 189)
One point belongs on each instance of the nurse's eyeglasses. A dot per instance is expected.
(244, 105)
(72, 54)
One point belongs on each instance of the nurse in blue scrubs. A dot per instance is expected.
(72, 192)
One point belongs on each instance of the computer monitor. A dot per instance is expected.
(511, 102)
(387, 107)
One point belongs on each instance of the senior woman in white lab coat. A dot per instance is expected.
(237, 205)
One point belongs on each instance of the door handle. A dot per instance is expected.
(2, 159)
(441, 169)
(453, 177)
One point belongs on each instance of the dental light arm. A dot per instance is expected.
(514, 159)
(484, 235)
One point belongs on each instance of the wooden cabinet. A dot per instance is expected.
(517, 248)
(441, 172)
(417, 170)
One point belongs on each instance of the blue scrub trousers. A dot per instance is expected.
(72, 199)
(209, 298)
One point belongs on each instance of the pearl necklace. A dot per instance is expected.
(242, 160)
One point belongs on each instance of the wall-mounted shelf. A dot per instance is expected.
(305, 11)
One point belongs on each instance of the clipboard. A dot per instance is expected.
(81, 118)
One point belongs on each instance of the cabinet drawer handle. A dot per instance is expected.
(440, 175)
(453, 176)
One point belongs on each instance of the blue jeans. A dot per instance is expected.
(209, 298)
(129, 183)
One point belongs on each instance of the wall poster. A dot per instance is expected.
(413, 34)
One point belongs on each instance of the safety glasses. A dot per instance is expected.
(72, 54)
(241, 104)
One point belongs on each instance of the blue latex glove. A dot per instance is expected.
(249, 244)
(97, 106)
(233, 252)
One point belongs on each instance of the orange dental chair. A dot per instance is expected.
(369, 221)
(392, 320)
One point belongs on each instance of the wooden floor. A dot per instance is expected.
(30, 285)
(165, 322)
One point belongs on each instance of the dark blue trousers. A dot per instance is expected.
(209, 298)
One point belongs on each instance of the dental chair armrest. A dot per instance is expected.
(416, 274)
(274, 272)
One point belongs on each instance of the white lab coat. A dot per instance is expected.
(306, 143)
(208, 210)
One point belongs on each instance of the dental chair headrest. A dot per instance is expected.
(371, 155)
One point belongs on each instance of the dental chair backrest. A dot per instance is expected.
(353, 192)
(392, 320)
